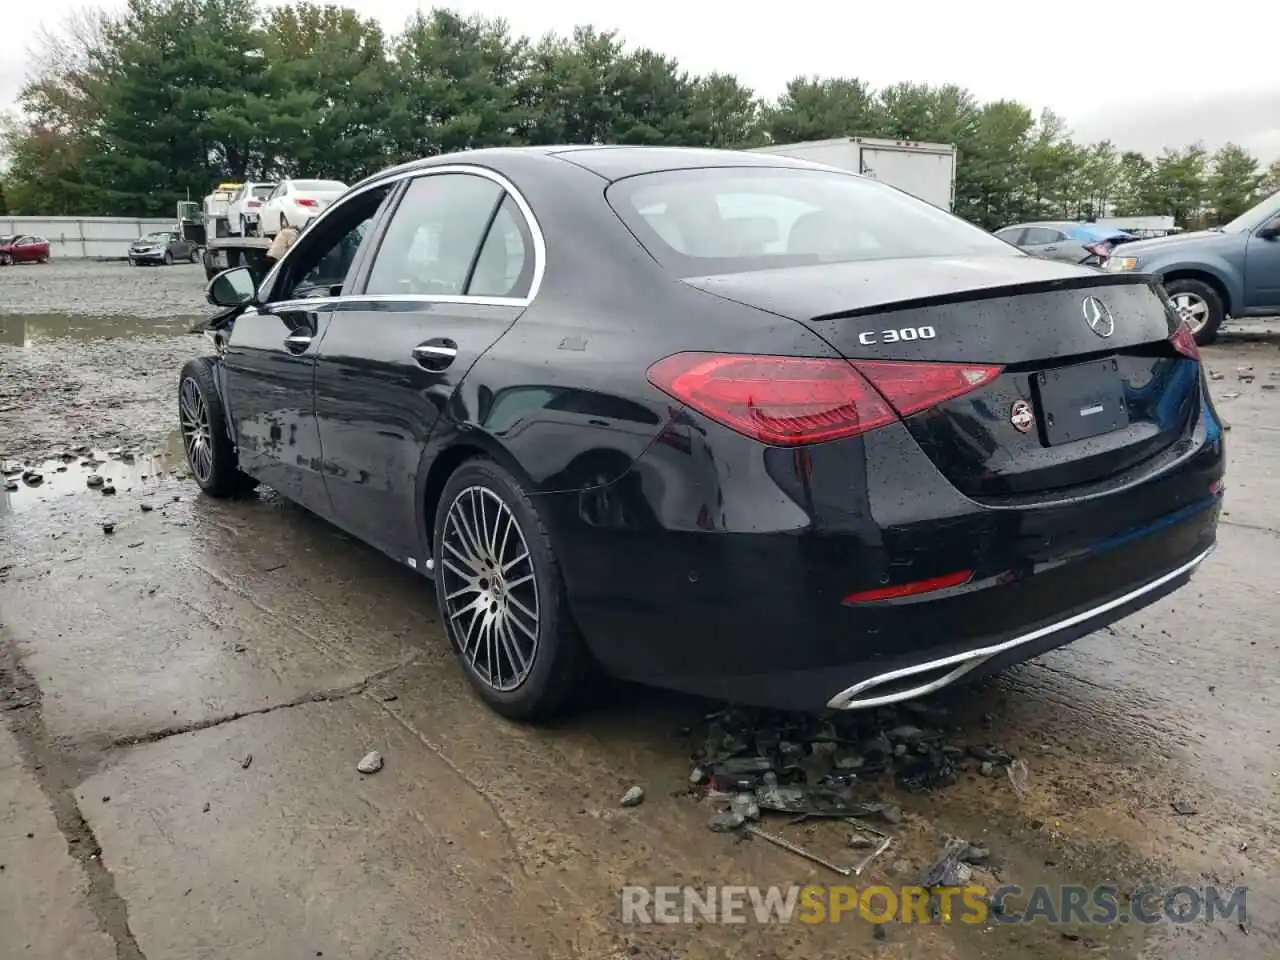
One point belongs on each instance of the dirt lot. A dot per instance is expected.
(183, 702)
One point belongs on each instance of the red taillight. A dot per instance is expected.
(911, 589)
(787, 401)
(1100, 249)
(255, 203)
(306, 202)
(777, 400)
(1184, 341)
(912, 387)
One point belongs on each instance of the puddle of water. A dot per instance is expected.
(122, 470)
(19, 330)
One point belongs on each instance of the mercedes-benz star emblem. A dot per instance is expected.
(1098, 317)
(1021, 416)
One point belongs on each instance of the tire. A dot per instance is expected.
(545, 665)
(202, 420)
(195, 254)
(133, 262)
(1201, 305)
(168, 258)
(5, 259)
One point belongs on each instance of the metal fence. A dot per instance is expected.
(86, 237)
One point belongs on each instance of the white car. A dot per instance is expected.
(246, 206)
(294, 202)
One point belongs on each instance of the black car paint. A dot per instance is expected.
(695, 557)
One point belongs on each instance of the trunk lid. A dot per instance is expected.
(1072, 407)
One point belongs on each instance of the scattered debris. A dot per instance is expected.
(248, 759)
(371, 762)
(745, 804)
(633, 797)
(11, 485)
(93, 480)
(726, 821)
(108, 489)
(108, 527)
(205, 808)
(32, 478)
(1215, 375)
(880, 931)
(146, 507)
(1019, 777)
(1184, 808)
(799, 851)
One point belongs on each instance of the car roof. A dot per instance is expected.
(612, 162)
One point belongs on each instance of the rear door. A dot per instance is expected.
(271, 356)
(453, 269)
(1049, 242)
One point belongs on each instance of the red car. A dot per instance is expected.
(23, 248)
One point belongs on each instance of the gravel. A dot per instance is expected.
(90, 353)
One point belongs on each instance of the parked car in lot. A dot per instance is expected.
(824, 465)
(1064, 240)
(163, 246)
(23, 248)
(1210, 275)
(246, 206)
(292, 202)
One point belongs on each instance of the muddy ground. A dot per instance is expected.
(183, 702)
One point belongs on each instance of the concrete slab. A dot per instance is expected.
(44, 906)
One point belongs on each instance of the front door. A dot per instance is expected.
(452, 272)
(270, 357)
(1262, 269)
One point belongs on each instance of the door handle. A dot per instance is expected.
(435, 354)
(1050, 249)
(297, 342)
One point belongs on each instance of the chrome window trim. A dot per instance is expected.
(535, 231)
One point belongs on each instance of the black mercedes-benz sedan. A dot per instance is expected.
(728, 423)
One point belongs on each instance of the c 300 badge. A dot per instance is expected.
(1021, 416)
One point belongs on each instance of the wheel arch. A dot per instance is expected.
(439, 462)
(1205, 276)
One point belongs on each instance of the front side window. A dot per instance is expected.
(320, 260)
(728, 219)
(434, 235)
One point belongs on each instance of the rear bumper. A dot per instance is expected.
(926, 676)
(726, 575)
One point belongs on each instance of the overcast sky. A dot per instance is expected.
(1144, 74)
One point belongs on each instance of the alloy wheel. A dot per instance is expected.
(490, 592)
(1192, 309)
(196, 435)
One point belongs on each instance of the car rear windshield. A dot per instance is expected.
(319, 185)
(263, 191)
(734, 219)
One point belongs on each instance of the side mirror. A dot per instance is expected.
(232, 288)
(1269, 230)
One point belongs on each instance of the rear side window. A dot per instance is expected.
(1040, 235)
(505, 266)
(730, 219)
(434, 235)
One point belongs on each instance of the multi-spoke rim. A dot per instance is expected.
(1193, 309)
(196, 437)
(490, 592)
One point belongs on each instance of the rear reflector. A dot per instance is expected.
(1184, 341)
(788, 401)
(914, 588)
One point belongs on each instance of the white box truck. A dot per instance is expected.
(924, 170)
